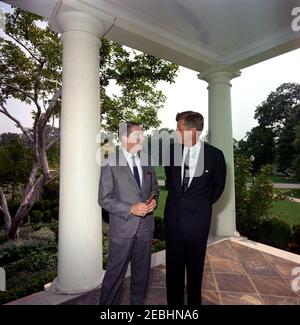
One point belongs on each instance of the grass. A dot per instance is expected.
(283, 179)
(287, 211)
(161, 202)
(160, 172)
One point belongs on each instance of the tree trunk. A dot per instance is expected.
(25, 206)
(5, 211)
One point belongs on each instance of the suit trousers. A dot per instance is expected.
(183, 255)
(137, 251)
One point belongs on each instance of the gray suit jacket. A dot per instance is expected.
(118, 191)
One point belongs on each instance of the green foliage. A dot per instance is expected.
(55, 213)
(51, 191)
(158, 245)
(36, 216)
(36, 63)
(281, 114)
(43, 233)
(16, 159)
(260, 144)
(296, 235)
(275, 232)
(47, 204)
(137, 75)
(252, 200)
(47, 216)
(12, 251)
(159, 230)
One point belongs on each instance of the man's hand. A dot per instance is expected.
(151, 206)
(139, 209)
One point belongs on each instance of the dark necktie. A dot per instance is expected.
(186, 178)
(135, 171)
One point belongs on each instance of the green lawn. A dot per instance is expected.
(287, 211)
(161, 202)
(160, 172)
(283, 179)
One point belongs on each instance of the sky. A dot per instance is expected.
(189, 93)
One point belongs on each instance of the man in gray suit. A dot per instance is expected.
(127, 183)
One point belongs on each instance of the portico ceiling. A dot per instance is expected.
(197, 34)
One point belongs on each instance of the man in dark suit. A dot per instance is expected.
(126, 184)
(195, 180)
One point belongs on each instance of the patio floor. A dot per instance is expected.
(234, 274)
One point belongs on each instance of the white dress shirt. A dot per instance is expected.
(137, 162)
(194, 154)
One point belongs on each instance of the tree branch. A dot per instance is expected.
(23, 92)
(52, 143)
(5, 112)
(46, 116)
(23, 45)
(5, 211)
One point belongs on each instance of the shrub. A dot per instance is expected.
(274, 232)
(158, 245)
(12, 251)
(36, 216)
(39, 205)
(55, 213)
(47, 204)
(43, 234)
(159, 230)
(47, 216)
(252, 200)
(51, 191)
(296, 234)
(55, 204)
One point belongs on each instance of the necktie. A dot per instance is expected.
(186, 178)
(135, 171)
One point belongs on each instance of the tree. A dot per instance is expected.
(259, 143)
(31, 72)
(281, 114)
(280, 108)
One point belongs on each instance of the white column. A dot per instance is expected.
(220, 135)
(80, 235)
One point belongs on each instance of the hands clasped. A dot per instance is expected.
(141, 209)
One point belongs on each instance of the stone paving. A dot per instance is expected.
(234, 274)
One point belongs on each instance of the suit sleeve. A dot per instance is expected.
(154, 185)
(219, 177)
(107, 198)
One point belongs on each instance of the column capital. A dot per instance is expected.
(68, 21)
(219, 74)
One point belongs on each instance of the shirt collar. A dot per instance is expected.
(195, 147)
(129, 155)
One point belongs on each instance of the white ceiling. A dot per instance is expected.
(197, 34)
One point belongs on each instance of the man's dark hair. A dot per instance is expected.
(126, 128)
(191, 120)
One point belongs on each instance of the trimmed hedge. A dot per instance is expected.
(274, 232)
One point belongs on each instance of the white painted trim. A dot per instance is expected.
(259, 46)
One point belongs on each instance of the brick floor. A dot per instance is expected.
(234, 274)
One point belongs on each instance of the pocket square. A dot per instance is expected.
(206, 171)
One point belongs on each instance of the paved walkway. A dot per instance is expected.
(234, 275)
(286, 185)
